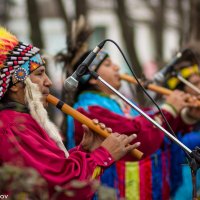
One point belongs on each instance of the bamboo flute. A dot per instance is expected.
(153, 87)
(85, 120)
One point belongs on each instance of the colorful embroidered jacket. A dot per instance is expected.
(23, 142)
(147, 179)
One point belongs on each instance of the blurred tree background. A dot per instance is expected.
(149, 31)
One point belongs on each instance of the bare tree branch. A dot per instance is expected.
(194, 20)
(181, 28)
(128, 35)
(81, 8)
(4, 6)
(158, 27)
(34, 18)
(63, 13)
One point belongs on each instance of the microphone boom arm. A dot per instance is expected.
(169, 135)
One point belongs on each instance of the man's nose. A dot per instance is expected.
(116, 67)
(48, 82)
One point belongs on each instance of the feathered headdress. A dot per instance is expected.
(17, 60)
(77, 44)
(7, 43)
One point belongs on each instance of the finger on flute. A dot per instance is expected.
(85, 120)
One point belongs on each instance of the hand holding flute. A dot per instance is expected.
(117, 144)
(160, 90)
(124, 140)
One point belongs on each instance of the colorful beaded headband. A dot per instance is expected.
(29, 66)
(17, 60)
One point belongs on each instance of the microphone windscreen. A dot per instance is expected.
(70, 84)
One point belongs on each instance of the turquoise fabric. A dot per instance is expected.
(90, 99)
(184, 191)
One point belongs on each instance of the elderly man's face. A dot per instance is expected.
(40, 77)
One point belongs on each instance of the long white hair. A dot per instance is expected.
(33, 98)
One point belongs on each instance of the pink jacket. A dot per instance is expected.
(23, 142)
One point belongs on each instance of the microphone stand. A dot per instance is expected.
(193, 155)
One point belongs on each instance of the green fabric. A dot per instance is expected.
(14, 106)
(132, 181)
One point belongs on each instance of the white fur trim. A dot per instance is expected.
(169, 109)
(186, 118)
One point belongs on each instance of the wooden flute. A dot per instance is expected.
(153, 87)
(85, 120)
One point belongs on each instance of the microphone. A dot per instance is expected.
(161, 75)
(71, 83)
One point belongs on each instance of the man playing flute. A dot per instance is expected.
(29, 139)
